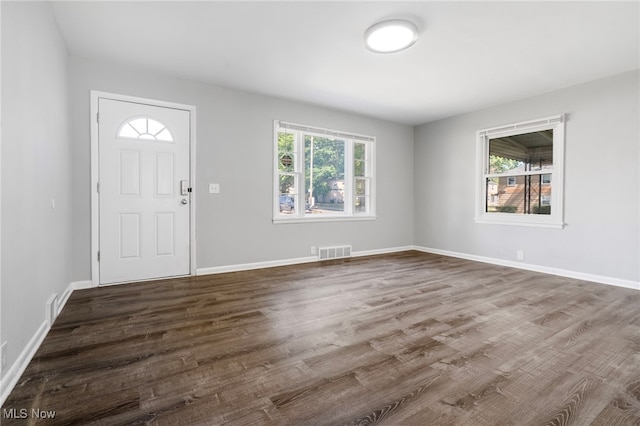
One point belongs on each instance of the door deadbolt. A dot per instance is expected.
(184, 188)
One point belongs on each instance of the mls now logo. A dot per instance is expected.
(37, 413)
(14, 413)
(23, 413)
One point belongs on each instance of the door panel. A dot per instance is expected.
(165, 178)
(165, 233)
(129, 173)
(129, 236)
(144, 229)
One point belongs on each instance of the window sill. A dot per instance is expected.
(520, 221)
(282, 221)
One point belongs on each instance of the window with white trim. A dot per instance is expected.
(520, 173)
(322, 174)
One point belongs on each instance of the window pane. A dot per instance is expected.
(361, 201)
(542, 203)
(324, 175)
(287, 184)
(165, 136)
(361, 187)
(127, 131)
(288, 197)
(359, 159)
(286, 162)
(145, 129)
(519, 194)
(154, 127)
(524, 152)
(286, 157)
(285, 142)
(361, 204)
(140, 124)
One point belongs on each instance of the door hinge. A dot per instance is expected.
(98, 256)
(98, 117)
(98, 187)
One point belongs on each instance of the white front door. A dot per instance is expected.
(144, 191)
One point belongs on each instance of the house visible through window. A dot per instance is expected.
(322, 174)
(520, 168)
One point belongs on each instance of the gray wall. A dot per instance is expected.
(601, 182)
(234, 149)
(36, 167)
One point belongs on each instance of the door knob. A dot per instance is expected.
(184, 201)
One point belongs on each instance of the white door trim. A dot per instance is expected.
(95, 207)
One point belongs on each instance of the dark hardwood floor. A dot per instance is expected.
(402, 339)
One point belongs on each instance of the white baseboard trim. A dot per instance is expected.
(76, 285)
(10, 379)
(635, 285)
(254, 265)
(292, 261)
(381, 251)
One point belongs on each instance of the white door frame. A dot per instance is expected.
(95, 206)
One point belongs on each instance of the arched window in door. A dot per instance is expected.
(145, 128)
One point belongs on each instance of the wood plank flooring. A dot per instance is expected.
(402, 339)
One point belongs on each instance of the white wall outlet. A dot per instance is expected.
(214, 188)
(520, 255)
(3, 355)
(313, 250)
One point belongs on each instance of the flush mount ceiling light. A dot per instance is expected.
(391, 36)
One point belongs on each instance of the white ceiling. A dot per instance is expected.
(470, 55)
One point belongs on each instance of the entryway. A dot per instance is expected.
(143, 197)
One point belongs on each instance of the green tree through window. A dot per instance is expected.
(324, 168)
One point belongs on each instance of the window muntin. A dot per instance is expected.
(520, 169)
(322, 174)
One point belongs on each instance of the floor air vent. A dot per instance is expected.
(337, 252)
